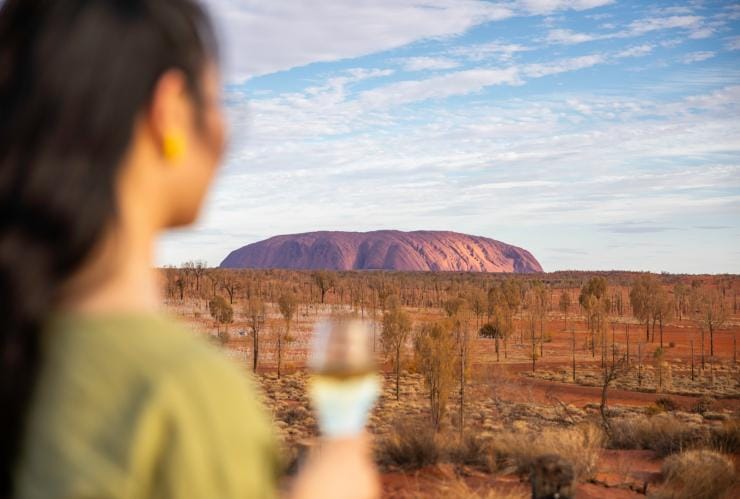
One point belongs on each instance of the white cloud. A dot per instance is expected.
(266, 37)
(396, 154)
(695, 24)
(455, 83)
(547, 6)
(733, 43)
(701, 33)
(636, 51)
(697, 56)
(492, 168)
(647, 25)
(469, 81)
(428, 63)
(496, 50)
(562, 66)
(566, 36)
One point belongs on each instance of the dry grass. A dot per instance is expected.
(461, 490)
(579, 446)
(666, 404)
(473, 451)
(663, 434)
(699, 474)
(725, 438)
(413, 444)
(704, 404)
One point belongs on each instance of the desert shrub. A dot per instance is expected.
(704, 404)
(221, 311)
(699, 474)
(472, 450)
(653, 409)
(725, 438)
(666, 403)
(663, 434)
(672, 344)
(459, 489)
(293, 415)
(412, 445)
(224, 337)
(579, 446)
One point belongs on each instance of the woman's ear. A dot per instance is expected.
(170, 115)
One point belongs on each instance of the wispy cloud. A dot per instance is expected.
(438, 87)
(499, 51)
(548, 6)
(696, 26)
(561, 66)
(266, 37)
(733, 43)
(428, 63)
(534, 123)
(647, 25)
(636, 51)
(568, 36)
(635, 228)
(697, 56)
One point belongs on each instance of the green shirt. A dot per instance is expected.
(133, 405)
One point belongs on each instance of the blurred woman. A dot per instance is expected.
(111, 130)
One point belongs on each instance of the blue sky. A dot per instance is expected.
(597, 134)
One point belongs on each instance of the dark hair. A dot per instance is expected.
(74, 75)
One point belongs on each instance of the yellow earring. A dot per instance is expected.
(173, 146)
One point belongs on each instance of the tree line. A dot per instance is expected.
(469, 304)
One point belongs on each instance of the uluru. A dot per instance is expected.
(421, 250)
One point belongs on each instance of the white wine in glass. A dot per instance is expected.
(344, 384)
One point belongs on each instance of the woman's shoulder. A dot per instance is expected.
(150, 343)
(120, 386)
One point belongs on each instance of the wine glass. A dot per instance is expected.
(343, 383)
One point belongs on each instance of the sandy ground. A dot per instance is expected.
(616, 468)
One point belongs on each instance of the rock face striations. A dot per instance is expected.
(384, 249)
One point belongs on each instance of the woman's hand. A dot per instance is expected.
(340, 468)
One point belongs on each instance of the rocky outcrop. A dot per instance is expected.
(384, 249)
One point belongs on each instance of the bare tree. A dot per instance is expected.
(395, 332)
(180, 285)
(493, 331)
(658, 357)
(594, 301)
(642, 300)
(611, 373)
(434, 346)
(532, 316)
(564, 305)
(573, 350)
(712, 314)
(511, 292)
(478, 301)
(325, 281)
(663, 309)
(287, 304)
(214, 278)
(458, 311)
(197, 269)
(680, 296)
(230, 284)
(255, 311)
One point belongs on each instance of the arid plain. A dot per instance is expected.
(630, 378)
